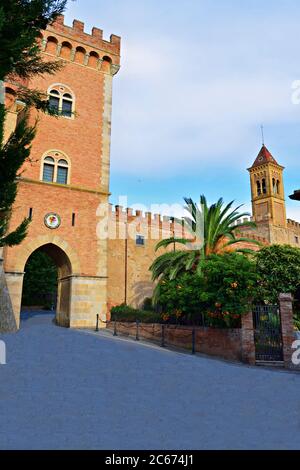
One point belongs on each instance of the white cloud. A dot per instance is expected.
(177, 108)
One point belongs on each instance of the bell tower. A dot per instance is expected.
(267, 188)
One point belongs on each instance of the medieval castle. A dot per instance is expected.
(102, 253)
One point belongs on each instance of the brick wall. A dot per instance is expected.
(225, 344)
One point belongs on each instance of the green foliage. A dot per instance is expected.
(40, 280)
(297, 321)
(279, 269)
(222, 291)
(230, 282)
(148, 304)
(126, 314)
(12, 156)
(181, 298)
(216, 230)
(20, 59)
(20, 25)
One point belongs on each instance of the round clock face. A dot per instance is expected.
(52, 221)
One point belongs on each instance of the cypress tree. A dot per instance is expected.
(20, 59)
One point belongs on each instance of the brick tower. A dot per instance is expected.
(67, 178)
(267, 190)
(268, 201)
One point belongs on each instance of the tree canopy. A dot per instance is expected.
(214, 230)
(20, 59)
(279, 269)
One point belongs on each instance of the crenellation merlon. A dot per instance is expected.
(148, 219)
(78, 34)
(97, 33)
(293, 224)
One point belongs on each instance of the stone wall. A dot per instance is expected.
(129, 277)
(7, 318)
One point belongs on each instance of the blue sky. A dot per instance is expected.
(197, 80)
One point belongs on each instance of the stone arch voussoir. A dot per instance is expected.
(38, 242)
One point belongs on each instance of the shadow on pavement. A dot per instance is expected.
(30, 314)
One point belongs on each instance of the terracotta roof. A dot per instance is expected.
(263, 157)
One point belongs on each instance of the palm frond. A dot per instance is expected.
(245, 240)
(170, 241)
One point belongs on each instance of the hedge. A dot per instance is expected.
(127, 314)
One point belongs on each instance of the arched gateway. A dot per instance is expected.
(80, 297)
(63, 262)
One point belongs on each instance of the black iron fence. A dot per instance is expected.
(156, 333)
(267, 333)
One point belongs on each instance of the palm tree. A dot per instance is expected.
(214, 230)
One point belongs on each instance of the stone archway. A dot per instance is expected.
(81, 295)
(37, 243)
(64, 269)
(68, 266)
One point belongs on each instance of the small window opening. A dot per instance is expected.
(140, 240)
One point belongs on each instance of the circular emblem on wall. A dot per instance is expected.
(52, 221)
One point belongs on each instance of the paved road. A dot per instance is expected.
(64, 389)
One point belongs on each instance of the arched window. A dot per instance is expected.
(80, 55)
(48, 170)
(61, 102)
(258, 188)
(93, 60)
(278, 186)
(54, 100)
(66, 49)
(62, 172)
(106, 64)
(67, 105)
(264, 186)
(56, 169)
(51, 47)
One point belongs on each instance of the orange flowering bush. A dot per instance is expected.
(222, 292)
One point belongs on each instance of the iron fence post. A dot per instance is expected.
(115, 329)
(163, 344)
(194, 341)
(97, 323)
(137, 330)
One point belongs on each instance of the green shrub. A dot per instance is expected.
(279, 269)
(222, 292)
(148, 305)
(124, 313)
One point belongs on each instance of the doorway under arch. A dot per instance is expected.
(57, 259)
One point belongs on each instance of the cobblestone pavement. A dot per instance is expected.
(64, 389)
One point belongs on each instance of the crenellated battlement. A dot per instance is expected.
(95, 39)
(166, 225)
(155, 223)
(74, 44)
(244, 220)
(259, 239)
(292, 224)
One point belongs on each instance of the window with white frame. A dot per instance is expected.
(55, 169)
(61, 101)
(48, 170)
